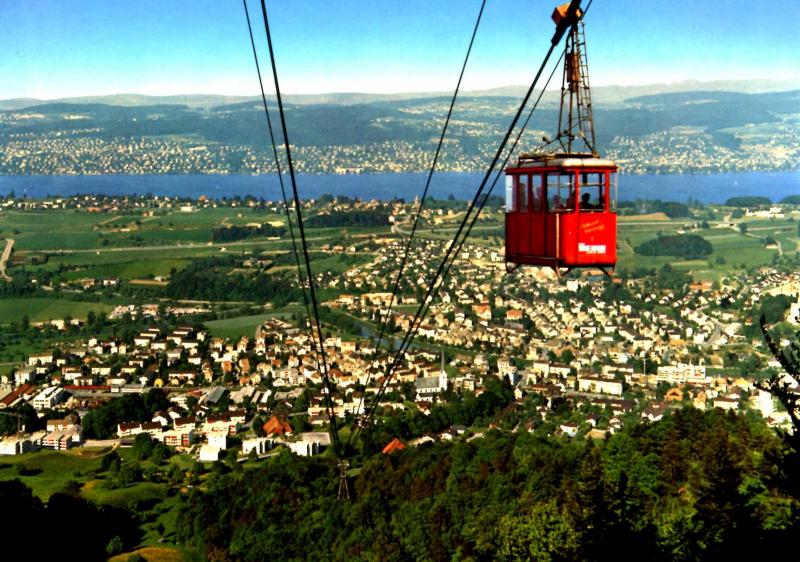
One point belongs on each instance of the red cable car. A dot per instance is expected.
(560, 211)
(560, 205)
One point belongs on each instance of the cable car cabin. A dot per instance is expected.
(560, 212)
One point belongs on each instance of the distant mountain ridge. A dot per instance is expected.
(609, 95)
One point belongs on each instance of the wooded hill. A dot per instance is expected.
(695, 486)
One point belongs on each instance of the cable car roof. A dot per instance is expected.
(563, 161)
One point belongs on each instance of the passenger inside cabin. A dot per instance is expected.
(592, 198)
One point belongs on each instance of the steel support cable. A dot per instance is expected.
(280, 176)
(424, 306)
(433, 281)
(491, 188)
(325, 375)
(497, 177)
(407, 250)
(475, 218)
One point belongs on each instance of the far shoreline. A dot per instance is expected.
(683, 187)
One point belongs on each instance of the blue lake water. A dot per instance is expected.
(714, 188)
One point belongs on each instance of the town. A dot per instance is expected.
(616, 350)
(153, 347)
(54, 139)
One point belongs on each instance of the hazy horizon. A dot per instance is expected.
(744, 85)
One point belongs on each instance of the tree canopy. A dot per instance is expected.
(679, 245)
(236, 232)
(349, 218)
(697, 485)
(748, 201)
(212, 279)
(101, 423)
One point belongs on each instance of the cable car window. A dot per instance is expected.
(537, 193)
(563, 199)
(521, 192)
(510, 194)
(592, 192)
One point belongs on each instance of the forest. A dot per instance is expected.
(680, 245)
(101, 423)
(694, 486)
(349, 218)
(235, 232)
(212, 279)
(748, 201)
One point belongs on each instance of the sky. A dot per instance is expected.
(61, 48)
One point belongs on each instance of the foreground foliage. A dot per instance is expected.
(693, 486)
(66, 521)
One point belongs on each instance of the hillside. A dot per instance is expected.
(672, 132)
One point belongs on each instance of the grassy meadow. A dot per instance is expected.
(45, 309)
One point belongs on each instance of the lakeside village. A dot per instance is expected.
(583, 357)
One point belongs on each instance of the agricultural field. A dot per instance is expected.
(83, 245)
(732, 251)
(237, 326)
(134, 269)
(46, 309)
(79, 230)
(135, 247)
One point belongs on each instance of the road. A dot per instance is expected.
(718, 327)
(5, 257)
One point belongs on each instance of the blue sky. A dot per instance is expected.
(57, 48)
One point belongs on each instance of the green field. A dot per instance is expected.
(20, 347)
(47, 472)
(137, 269)
(80, 230)
(97, 246)
(732, 252)
(238, 326)
(138, 492)
(340, 263)
(45, 309)
(94, 245)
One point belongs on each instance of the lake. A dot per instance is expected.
(713, 188)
